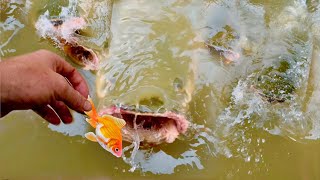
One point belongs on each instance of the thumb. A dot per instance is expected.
(72, 98)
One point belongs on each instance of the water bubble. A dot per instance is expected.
(248, 159)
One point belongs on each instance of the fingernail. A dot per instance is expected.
(87, 106)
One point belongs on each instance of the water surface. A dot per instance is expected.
(235, 132)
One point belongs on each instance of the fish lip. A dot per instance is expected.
(172, 125)
(118, 156)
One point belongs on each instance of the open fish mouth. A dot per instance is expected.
(149, 127)
(80, 54)
(65, 33)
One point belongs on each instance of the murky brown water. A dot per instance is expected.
(236, 133)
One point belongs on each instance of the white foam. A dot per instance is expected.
(71, 25)
(44, 26)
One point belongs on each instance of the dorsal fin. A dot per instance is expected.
(119, 122)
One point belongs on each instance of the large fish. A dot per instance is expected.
(64, 33)
(81, 30)
(148, 90)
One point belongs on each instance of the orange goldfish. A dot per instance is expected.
(108, 131)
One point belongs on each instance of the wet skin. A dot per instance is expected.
(38, 79)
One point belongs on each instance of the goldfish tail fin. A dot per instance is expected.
(93, 115)
(92, 122)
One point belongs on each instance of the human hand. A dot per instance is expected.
(36, 80)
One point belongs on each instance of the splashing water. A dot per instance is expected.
(136, 144)
(91, 17)
(234, 129)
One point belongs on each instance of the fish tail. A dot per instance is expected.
(93, 115)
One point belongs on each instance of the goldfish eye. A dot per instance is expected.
(116, 149)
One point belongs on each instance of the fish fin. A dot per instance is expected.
(91, 136)
(93, 115)
(92, 122)
(119, 122)
(110, 132)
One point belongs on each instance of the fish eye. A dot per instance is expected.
(116, 149)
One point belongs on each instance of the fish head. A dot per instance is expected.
(154, 119)
(114, 146)
(65, 33)
(116, 149)
(152, 83)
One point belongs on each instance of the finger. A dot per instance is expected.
(47, 113)
(62, 67)
(72, 98)
(62, 111)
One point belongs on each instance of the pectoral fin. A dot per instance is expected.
(91, 136)
(119, 122)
